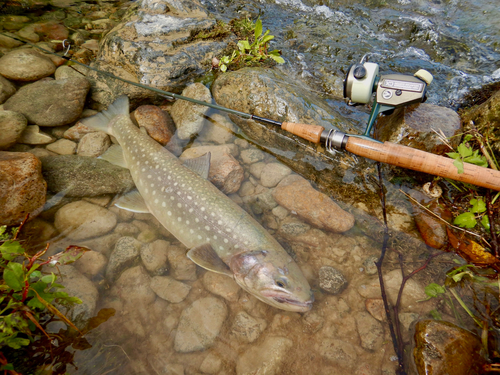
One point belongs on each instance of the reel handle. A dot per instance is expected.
(417, 160)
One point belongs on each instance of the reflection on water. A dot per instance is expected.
(175, 318)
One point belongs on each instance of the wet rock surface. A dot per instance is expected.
(125, 252)
(444, 348)
(332, 280)
(50, 102)
(7, 89)
(159, 124)
(26, 65)
(12, 124)
(22, 187)
(265, 359)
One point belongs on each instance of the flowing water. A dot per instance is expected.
(458, 41)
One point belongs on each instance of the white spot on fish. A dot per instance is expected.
(219, 222)
(226, 240)
(156, 200)
(172, 198)
(203, 208)
(191, 231)
(179, 205)
(169, 213)
(197, 220)
(179, 218)
(147, 190)
(190, 210)
(215, 237)
(207, 227)
(154, 192)
(149, 176)
(163, 204)
(199, 237)
(187, 222)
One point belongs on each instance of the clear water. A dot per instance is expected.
(457, 41)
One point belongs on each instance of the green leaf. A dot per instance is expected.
(436, 315)
(70, 255)
(14, 276)
(266, 39)
(278, 59)
(434, 290)
(467, 138)
(476, 159)
(485, 222)
(453, 155)
(258, 28)
(460, 165)
(463, 150)
(17, 342)
(49, 279)
(478, 205)
(11, 249)
(465, 220)
(243, 45)
(223, 67)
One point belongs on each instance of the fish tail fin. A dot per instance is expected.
(102, 120)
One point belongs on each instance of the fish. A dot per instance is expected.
(220, 235)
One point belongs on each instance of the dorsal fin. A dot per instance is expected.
(132, 201)
(114, 154)
(200, 165)
(205, 256)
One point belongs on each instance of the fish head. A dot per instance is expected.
(274, 279)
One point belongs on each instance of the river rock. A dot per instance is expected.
(376, 308)
(81, 176)
(267, 358)
(77, 285)
(412, 126)
(50, 102)
(247, 328)
(370, 331)
(22, 187)
(211, 364)
(7, 42)
(199, 325)
(163, 26)
(81, 220)
(252, 155)
(218, 129)
(297, 195)
(77, 132)
(133, 287)
(182, 268)
(12, 124)
(92, 264)
(7, 89)
(170, 289)
(154, 256)
(485, 114)
(221, 285)
(339, 352)
(190, 117)
(443, 348)
(332, 280)
(126, 251)
(26, 65)
(62, 147)
(158, 124)
(226, 173)
(93, 144)
(32, 135)
(273, 173)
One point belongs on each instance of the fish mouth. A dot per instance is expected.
(307, 304)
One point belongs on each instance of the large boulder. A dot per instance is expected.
(154, 45)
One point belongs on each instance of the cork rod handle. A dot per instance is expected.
(407, 157)
(309, 132)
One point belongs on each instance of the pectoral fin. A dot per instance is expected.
(132, 201)
(205, 256)
(200, 165)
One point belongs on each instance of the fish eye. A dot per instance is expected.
(280, 283)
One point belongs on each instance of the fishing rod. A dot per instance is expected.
(361, 83)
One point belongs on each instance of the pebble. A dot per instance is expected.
(332, 280)
(340, 353)
(252, 155)
(92, 264)
(81, 220)
(266, 358)
(226, 173)
(187, 116)
(26, 65)
(133, 288)
(292, 226)
(126, 229)
(170, 289)
(77, 132)
(104, 244)
(52, 30)
(297, 195)
(154, 256)
(200, 324)
(369, 265)
(7, 42)
(246, 189)
(41, 152)
(66, 71)
(370, 331)
(407, 319)
(211, 364)
(280, 212)
(77, 285)
(247, 328)
(12, 124)
(28, 32)
(313, 322)
(22, 187)
(182, 268)
(7, 89)
(65, 99)
(93, 144)
(215, 151)
(218, 129)
(257, 168)
(32, 135)
(80, 176)
(62, 147)
(158, 124)
(221, 285)
(126, 251)
(375, 306)
(273, 173)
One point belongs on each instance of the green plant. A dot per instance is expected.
(469, 219)
(466, 154)
(27, 293)
(251, 52)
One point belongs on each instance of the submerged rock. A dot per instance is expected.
(22, 187)
(125, 252)
(200, 324)
(32, 135)
(50, 102)
(170, 289)
(267, 358)
(297, 195)
(12, 125)
(82, 176)
(332, 280)
(7, 89)
(247, 328)
(443, 348)
(26, 65)
(158, 124)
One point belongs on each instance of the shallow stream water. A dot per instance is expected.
(458, 41)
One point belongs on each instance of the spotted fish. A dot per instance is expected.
(221, 236)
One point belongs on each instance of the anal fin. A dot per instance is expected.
(114, 155)
(205, 256)
(132, 201)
